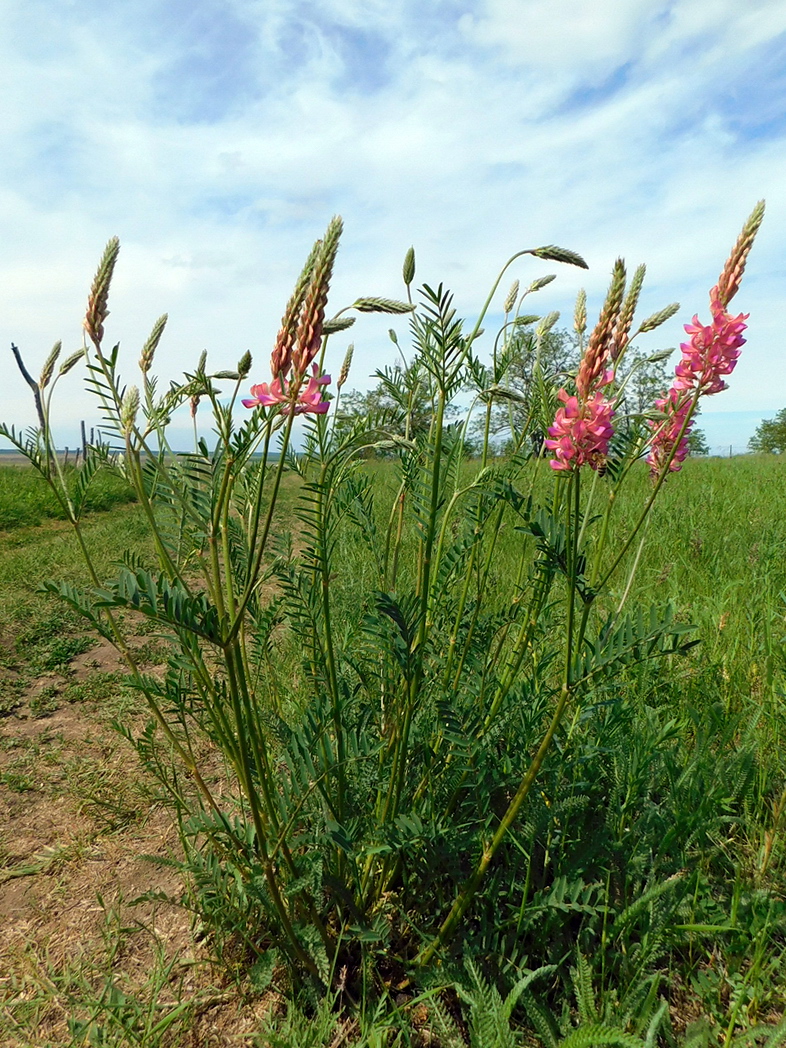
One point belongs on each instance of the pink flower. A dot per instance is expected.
(291, 395)
(581, 432)
(666, 434)
(712, 351)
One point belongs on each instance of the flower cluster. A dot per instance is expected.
(300, 338)
(582, 426)
(292, 397)
(581, 432)
(670, 433)
(711, 353)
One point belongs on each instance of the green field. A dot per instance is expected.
(655, 840)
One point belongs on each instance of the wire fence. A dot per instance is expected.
(728, 450)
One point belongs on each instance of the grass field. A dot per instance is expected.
(675, 778)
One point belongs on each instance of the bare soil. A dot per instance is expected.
(77, 822)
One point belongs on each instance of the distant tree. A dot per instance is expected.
(697, 443)
(648, 380)
(558, 357)
(770, 435)
(401, 404)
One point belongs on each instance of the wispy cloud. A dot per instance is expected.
(217, 137)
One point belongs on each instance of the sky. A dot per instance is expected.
(217, 138)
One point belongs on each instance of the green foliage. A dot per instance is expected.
(770, 435)
(447, 727)
(27, 500)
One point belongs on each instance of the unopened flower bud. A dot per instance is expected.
(510, 301)
(244, 365)
(49, 365)
(408, 269)
(149, 348)
(128, 409)
(342, 378)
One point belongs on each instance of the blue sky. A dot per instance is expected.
(217, 137)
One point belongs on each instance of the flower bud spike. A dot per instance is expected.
(281, 358)
(625, 319)
(149, 348)
(344, 374)
(49, 365)
(541, 282)
(596, 357)
(244, 365)
(659, 318)
(128, 409)
(382, 305)
(510, 300)
(729, 281)
(309, 332)
(580, 313)
(408, 269)
(69, 362)
(97, 311)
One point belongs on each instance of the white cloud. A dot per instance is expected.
(470, 133)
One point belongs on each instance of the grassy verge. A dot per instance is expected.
(25, 499)
(671, 782)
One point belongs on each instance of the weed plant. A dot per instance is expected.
(445, 724)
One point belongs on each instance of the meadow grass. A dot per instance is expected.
(677, 771)
(26, 499)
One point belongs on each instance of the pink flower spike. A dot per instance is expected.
(581, 432)
(675, 405)
(713, 351)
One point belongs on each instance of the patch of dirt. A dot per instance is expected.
(77, 818)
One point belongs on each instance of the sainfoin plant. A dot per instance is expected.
(352, 778)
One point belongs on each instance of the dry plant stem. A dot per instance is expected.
(33, 386)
